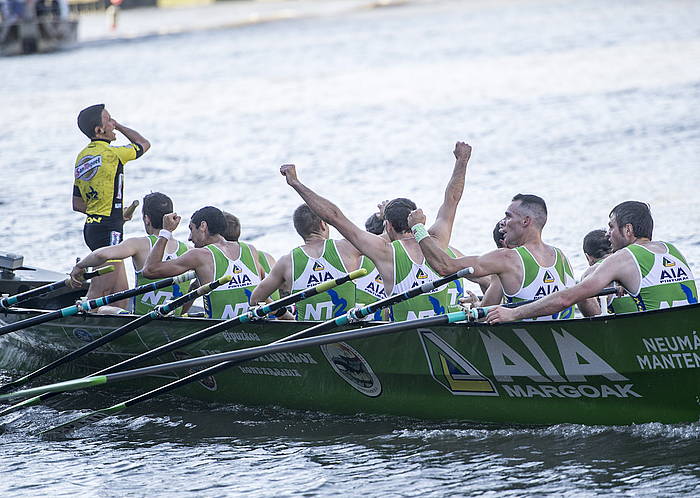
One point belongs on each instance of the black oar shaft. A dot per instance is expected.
(7, 302)
(93, 303)
(228, 324)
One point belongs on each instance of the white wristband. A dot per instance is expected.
(167, 234)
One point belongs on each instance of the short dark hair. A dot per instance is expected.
(157, 205)
(636, 214)
(498, 235)
(535, 205)
(233, 227)
(216, 223)
(375, 224)
(596, 244)
(396, 212)
(306, 221)
(90, 118)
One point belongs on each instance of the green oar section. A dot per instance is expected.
(95, 303)
(157, 312)
(6, 302)
(229, 359)
(356, 315)
(259, 312)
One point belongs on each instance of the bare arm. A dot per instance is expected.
(275, 280)
(608, 270)
(79, 204)
(442, 228)
(369, 244)
(134, 136)
(494, 294)
(100, 256)
(155, 267)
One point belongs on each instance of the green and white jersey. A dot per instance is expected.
(232, 299)
(539, 281)
(308, 272)
(665, 279)
(409, 274)
(143, 304)
(455, 289)
(370, 288)
(266, 268)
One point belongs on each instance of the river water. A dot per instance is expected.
(586, 103)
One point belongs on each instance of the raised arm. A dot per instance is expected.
(134, 136)
(376, 248)
(442, 228)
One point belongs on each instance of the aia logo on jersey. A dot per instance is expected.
(318, 266)
(379, 280)
(420, 274)
(548, 279)
(668, 263)
(236, 269)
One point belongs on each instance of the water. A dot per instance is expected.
(586, 103)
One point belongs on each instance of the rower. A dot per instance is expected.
(320, 258)
(531, 270)
(654, 273)
(400, 261)
(233, 233)
(98, 189)
(155, 205)
(212, 258)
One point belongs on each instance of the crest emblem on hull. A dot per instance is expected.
(353, 368)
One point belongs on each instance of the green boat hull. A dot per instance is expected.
(636, 368)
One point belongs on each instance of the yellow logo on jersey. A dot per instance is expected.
(379, 280)
(236, 269)
(668, 263)
(318, 266)
(93, 219)
(421, 274)
(548, 279)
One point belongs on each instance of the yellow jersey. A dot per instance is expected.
(99, 178)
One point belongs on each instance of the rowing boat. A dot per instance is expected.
(626, 369)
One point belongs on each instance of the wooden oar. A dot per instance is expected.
(253, 313)
(481, 312)
(6, 302)
(353, 315)
(229, 359)
(95, 303)
(157, 312)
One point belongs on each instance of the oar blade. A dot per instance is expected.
(76, 423)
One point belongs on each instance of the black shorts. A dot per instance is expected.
(102, 234)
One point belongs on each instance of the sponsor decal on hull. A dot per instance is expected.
(525, 370)
(353, 368)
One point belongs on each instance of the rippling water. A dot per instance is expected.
(587, 103)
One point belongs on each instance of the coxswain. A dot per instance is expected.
(98, 188)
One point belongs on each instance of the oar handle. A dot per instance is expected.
(95, 303)
(481, 312)
(265, 309)
(261, 311)
(7, 302)
(370, 309)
